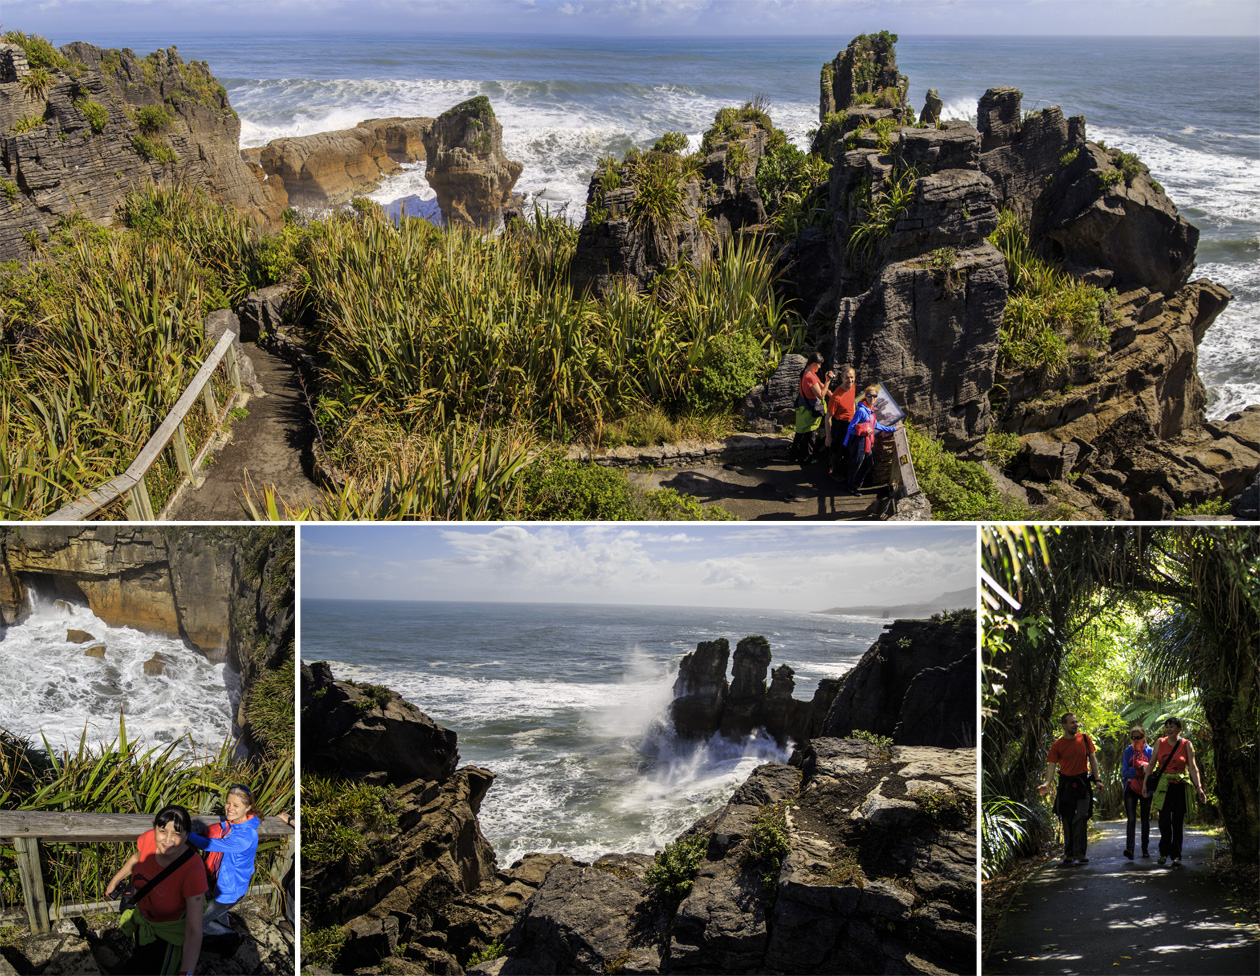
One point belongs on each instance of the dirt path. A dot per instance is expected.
(1114, 915)
(269, 448)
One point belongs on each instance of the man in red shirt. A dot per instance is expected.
(836, 423)
(1073, 756)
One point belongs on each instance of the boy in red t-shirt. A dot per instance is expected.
(1073, 756)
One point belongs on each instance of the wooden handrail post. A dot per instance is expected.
(234, 367)
(32, 879)
(139, 505)
(182, 457)
(278, 871)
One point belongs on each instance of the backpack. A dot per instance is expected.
(1139, 762)
(217, 831)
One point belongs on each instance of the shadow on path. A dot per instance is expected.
(766, 489)
(1114, 915)
(269, 448)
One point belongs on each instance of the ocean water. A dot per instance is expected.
(1187, 107)
(566, 704)
(49, 687)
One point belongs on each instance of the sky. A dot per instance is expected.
(66, 20)
(794, 567)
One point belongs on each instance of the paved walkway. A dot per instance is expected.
(1114, 915)
(770, 489)
(269, 448)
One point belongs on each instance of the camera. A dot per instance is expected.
(126, 895)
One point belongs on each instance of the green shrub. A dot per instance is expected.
(1108, 179)
(959, 490)
(38, 50)
(672, 142)
(269, 711)
(339, 817)
(153, 119)
(732, 365)
(151, 151)
(1002, 446)
(36, 83)
(29, 122)
(1045, 309)
(657, 207)
(768, 844)
(322, 947)
(1211, 506)
(9, 189)
(736, 156)
(493, 951)
(883, 744)
(949, 808)
(1130, 167)
(95, 114)
(1068, 158)
(673, 872)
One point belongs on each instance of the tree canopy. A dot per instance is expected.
(1122, 625)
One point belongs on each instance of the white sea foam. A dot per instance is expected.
(52, 688)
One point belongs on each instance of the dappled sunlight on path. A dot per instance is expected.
(1114, 915)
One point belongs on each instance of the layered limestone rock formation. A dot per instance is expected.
(867, 67)
(705, 703)
(225, 591)
(94, 135)
(369, 734)
(878, 876)
(906, 287)
(466, 167)
(624, 239)
(329, 168)
(915, 685)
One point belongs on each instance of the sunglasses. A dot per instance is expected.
(243, 788)
(1139, 737)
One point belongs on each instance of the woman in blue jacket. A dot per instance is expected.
(1137, 756)
(860, 438)
(235, 841)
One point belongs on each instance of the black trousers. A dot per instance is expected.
(158, 958)
(860, 462)
(1074, 807)
(1172, 819)
(1132, 803)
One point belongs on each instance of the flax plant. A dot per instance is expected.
(101, 336)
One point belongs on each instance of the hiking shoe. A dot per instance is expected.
(1176, 862)
(1082, 860)
(1145, 852)
(1162, 859)
(1128, 852)
(1065, 863)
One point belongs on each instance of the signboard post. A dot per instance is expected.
(905, 464)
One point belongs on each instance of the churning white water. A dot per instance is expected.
(49, 686)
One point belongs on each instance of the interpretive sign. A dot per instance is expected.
(887, 410)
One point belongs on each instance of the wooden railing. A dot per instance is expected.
(28, 829)
(131, 483)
